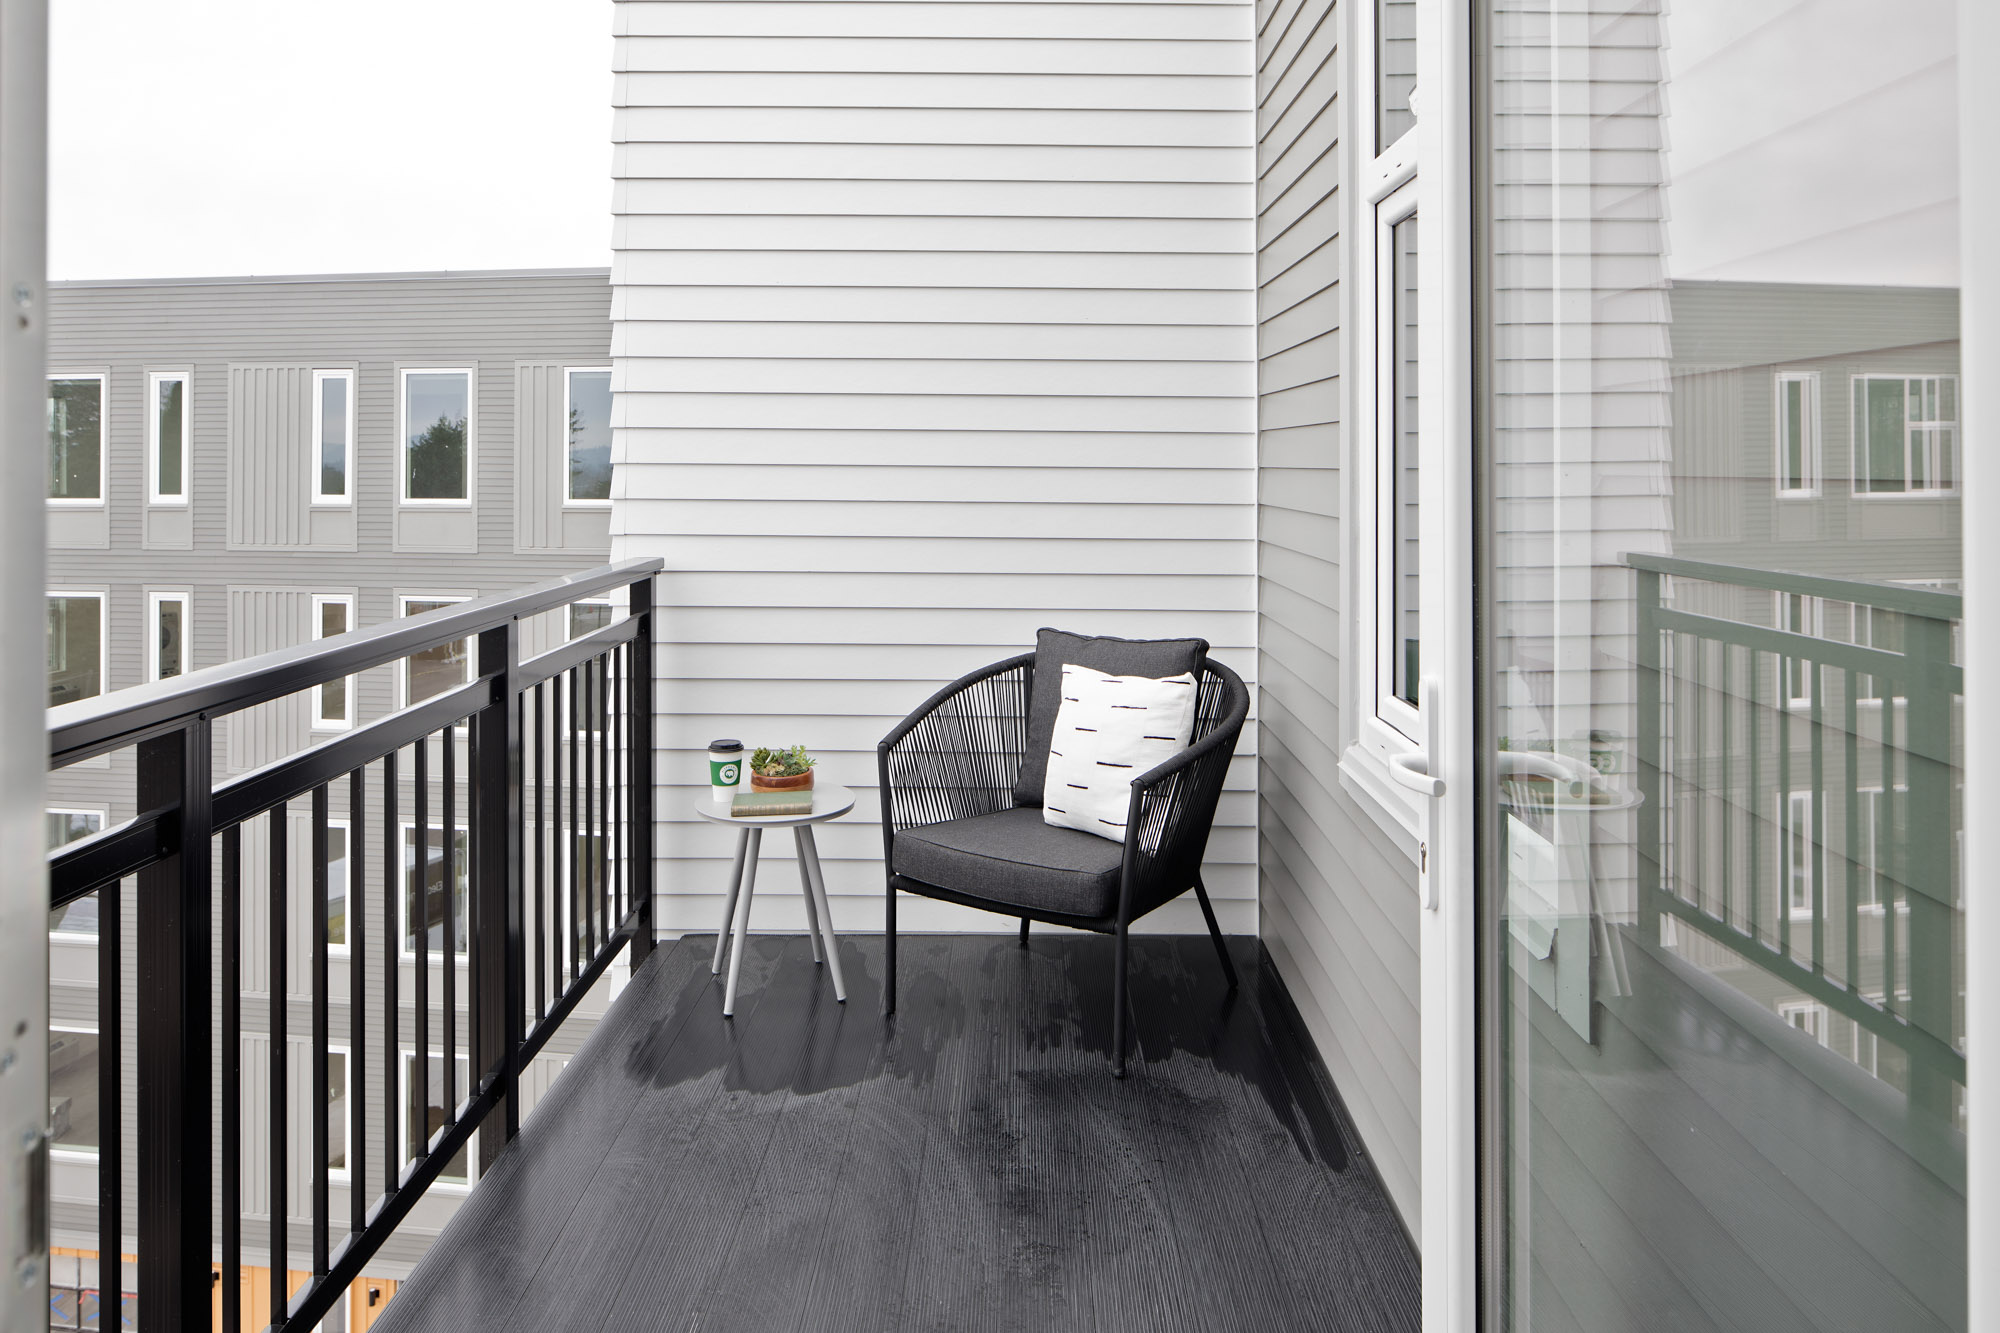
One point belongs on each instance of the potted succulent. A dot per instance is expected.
(781, 770)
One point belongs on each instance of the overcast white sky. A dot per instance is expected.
(201, 137)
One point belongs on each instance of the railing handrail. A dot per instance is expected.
(1926, 602)
(121, 718)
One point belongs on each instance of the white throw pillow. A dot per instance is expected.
(1109, 730)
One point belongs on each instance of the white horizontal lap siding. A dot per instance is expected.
(933, 323)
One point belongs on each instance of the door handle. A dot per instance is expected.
(1573, 773)
(1413, 770)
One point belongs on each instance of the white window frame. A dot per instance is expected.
(1797, 805)
(604, 602)
(1388, 710)
(319, 720)
(406, 837)
(346, 826)
(407, 1068)
(103, 443)
(1813, 625)
(102, 597)
(155, 599)
(1810, 445)
(84, 1156)
(1818, 1014)
(102, 814)
(562, 454)
(404, 497)
(346, 498)
(341, 1175)
(1858, 454)
(403, 600)
(154, 496)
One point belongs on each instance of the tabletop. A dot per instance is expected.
(830, 801)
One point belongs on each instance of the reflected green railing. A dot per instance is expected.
(1800, 795)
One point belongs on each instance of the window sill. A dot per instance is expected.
(598, 505)
(1906, 495)
(55, 503)
(1395, 809)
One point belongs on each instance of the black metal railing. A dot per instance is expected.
(551, 877)
(1799, 741)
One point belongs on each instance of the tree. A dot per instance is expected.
(437, 461)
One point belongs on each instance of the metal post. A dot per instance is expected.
(1647, 660)
(174, 979)
(641, 609)
(498, 949)
(1927, 856)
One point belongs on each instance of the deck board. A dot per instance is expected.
(969, 1166)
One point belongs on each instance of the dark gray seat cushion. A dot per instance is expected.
(1157, 658)
(1014, 857)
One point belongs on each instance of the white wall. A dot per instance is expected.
(933, 323)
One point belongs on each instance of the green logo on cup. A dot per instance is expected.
(724, 773)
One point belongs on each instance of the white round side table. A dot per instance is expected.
(830, 801)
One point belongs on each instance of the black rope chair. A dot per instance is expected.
(950, 813)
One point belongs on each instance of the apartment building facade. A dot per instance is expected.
(241, 465)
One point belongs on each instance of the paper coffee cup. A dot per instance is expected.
(725, 769)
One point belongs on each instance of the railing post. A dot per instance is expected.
(641, 761)
(174, 976)
(496, 799)
(1646, 657)
(1928, 843)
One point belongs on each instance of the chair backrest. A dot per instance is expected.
(1224, 699)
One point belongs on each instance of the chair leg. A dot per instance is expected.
(1118, 1010)
(1215, 932)
(1024, 932)
(889, 956)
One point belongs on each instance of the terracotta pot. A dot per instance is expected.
(797, 782)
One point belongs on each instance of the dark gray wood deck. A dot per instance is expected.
(971, 1165)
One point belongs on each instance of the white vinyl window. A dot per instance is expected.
(76, 439)
(1398, 468)
(1808, 1016)
(437, 436)
(1798, 613)
(167, 437)
(586, 617)
(1905, 434)
(434, 670)
(332, 461)
(75, 640)
(74, 1110)
(167, 628)
(434, 877)
(333, 702)
(1798, 439)
(422, 1122)
(339, 1123)
(586, 456)
(1796, 841)
(338, 869)
(65, 826)
(1883, 824)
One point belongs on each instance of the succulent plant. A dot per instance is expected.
(780, 763)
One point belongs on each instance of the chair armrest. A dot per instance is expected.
(959, 753)
(1172, 810)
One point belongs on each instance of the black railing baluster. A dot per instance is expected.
(541, 851)
(419, 1077)
(593, 787)
(448, 1070)
(110, 1089)
(1851, 822)
(392, 974)
(495, 891)
(1816, 691)
(232, 1078)
(557, 880)
(356, 1096)
(575, 838)
(322, 1183)
(279, 887)
(640, 608)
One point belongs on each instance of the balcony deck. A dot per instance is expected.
(972, 1165)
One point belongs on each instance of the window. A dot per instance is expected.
(434, 904)
(73, 1105)
(1905, 434)
(76, 439)
(1398, 458)
(333, 702)
(585, 617)
(64, 827)
(1395, 70)
(1808, 1016)
(422, 1121)
(336, 886)
(332, 434)
(1806, 616)
(337, 1128)
(167, 437)
(75, 646)
(166, 640)
(1798, 457)
(434, 670)
(587, 433)
(1796, 839)
(437, 436)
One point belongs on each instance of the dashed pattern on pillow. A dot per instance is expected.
(1109, 730)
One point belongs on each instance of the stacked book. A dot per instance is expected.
(769, 804)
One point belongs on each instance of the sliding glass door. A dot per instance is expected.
(1721, 698)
